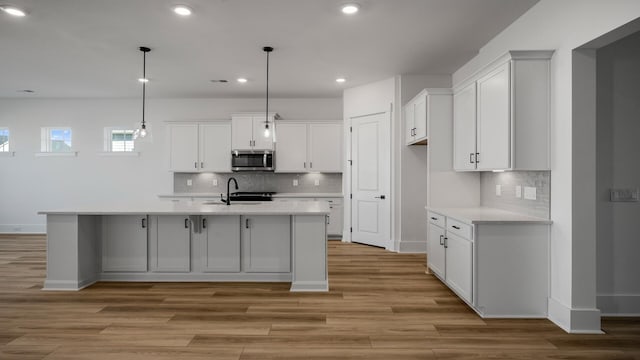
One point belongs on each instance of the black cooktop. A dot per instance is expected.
(251, 195)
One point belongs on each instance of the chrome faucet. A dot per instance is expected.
(229, 184)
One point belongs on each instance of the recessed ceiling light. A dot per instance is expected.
(12, 10)
(182, 10)
(341, 80)
(350, 9)
(143, 80)
(241, 80)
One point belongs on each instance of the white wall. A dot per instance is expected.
(618, 126)
(562, 25)
(29, 184)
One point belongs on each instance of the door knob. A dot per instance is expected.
(381, 197)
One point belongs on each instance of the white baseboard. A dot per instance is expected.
(618, 304)
(574, 320)
(66, 285)
(415, 247)
(23, 229)
(298, 286)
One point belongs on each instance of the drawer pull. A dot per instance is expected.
(434, 218)
(441, 240)
(455, 227)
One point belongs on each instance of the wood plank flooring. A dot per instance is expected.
(381, 306)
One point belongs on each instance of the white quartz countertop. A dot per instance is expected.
(201, 208)
(486, 215)
(276, 195)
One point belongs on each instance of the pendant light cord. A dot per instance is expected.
(266, 114)
(144, 83)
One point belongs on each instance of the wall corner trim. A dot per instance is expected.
(574, 320)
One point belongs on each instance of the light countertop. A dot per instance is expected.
(201, 208)
(276, 195)
(486, 215)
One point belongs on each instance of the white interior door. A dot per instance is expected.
(370, 179)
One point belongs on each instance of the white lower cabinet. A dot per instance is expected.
(170, 243)
(499, 268)
(450, 256)
(124, 243)
(221, 241)
(266, 243)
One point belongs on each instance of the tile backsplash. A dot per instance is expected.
(508, 199)
(258, 181)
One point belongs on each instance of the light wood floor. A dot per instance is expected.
(381, 306)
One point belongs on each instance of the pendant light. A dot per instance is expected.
(142, 131)
(267, 132)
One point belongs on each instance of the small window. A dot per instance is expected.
(118, 140)
(4, 140)
(56, 140)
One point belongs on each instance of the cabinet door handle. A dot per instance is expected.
(202, 165)
(441, 240)
(246, 223)
(195, 164)
(204, 223)
(434, 218)
(310, 165)
(328, 219)
(455, 227)
(304, 164)
(477, 158)
(445, 242)
(471, 160)
(144, 223)
(186, 223)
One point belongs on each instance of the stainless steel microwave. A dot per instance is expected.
(252, 160)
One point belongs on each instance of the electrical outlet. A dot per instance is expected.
(214, 182)
(518, 191)
(295, 182)
(316, 182)
(189, 182)
(498, 190)
(529, 193)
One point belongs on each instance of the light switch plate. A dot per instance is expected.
(295, 182)
(498, 190)
(189, 182)
(625, 195)
(518, 191)
(214, 182)
(316, 182)
(529, 193)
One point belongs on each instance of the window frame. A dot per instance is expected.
(108, 139)
(46, 144)
(6, 149)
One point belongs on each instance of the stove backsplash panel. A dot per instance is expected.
(256, 181)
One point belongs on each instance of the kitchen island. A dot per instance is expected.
(189, 241)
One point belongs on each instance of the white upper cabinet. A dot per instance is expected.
(200, 147)
(248, 131)
(292, 147)
(417, 112)
(493, 143)
(215, 147)
(325, 147)
(506, 107)
(464, 128)
(309, 147)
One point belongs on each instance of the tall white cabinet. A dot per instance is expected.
(501, 115)
(199, 147)
(309, 146)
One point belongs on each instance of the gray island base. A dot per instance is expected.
(173, 242)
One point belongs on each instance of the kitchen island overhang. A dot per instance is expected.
(186, 241)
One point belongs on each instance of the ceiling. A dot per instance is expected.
(89, 48)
